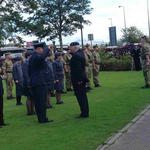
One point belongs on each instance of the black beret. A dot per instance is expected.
(18, 58)
(74, 44)
(37, 45)
(58, 54)
(144, 37)
(95, 46)
(28, 53)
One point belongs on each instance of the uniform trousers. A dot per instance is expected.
(1, 110)
(40, 97)
(80, 92)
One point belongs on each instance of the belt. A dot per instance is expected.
(8, 72)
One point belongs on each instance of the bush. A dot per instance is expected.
(114, 64)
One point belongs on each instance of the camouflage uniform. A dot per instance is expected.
(89, 67)
(52, 57)
(96, 58)
(145, 50)
(67, 58)
(7, 68)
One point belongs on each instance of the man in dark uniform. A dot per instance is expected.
(18, 78)
(37, 66)
(79, 79)
(1, 102)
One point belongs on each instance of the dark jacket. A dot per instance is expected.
(58, 70)
(49, 75)
(59, 74)
(77, 66)
(37, 66)
(17, 73)
(25, 71)
(1, 87)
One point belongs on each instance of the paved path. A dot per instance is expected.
(136, 138)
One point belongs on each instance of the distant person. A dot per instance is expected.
(59, 77)
(18, 78)
(2, 123)
(67, 59)
(79, 79)
(96, 66)
(7, 70)
(49, 76)
(89, 68)
(37, 66)
(27, 84)
(135, 53)
(145, 59)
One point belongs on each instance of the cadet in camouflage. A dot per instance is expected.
(145, 61)
(96, 66)
(7, 70)
(67, 57)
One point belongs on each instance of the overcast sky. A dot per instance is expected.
(136, 15)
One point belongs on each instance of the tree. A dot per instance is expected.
(12, 20)
(57, 18)
(131, 35)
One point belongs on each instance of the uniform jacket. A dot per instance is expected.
(7, 66)
(37, 66)
(96, 58)
(49, 73)
(17, 73)
(58, 69)
(77, 65)
(25, 70)
(1, 87)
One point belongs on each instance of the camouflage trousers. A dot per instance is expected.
(68, 80)
(89, 75)
(96, 75)
(146, 74)
(9, 84)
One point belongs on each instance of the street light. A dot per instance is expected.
(148, 16)
(81, 24)
(125, 26)
(111, 21)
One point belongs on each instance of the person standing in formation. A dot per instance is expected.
(79, 79)
(90, 66)
(96, 66)
(7, 70)
(2, 123)
(67, 58)
(27, 84)
(59, 77)
(49, 76)
(145, 59)
(18, 78)
(37, 67)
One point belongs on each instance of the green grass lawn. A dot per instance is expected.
(111, 108)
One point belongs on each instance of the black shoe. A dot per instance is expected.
(31, 114)
(49, 107)
(97, 85)
(63, 92)
(47, 121)
(61, 102)
(4, 124)
(69, 90)
(53, 95)
(145, 87)
(9, 98)
(19, 104)
(82, 116)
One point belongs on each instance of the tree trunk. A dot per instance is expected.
(60, 41)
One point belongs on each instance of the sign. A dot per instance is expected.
(90, 37)
(112, 36)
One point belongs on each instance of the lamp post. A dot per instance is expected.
(124, 14)
(148, 16)
(81, 24)
(111, 21)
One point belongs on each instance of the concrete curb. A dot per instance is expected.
(114, 138)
